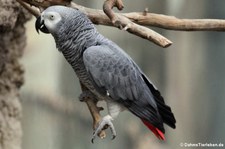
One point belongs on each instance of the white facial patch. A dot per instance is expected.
(51, 19)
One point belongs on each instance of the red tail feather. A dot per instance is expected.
(159, 134)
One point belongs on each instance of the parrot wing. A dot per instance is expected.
(113, 71)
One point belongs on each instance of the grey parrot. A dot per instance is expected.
(106, 70)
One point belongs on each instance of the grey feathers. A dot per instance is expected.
(114, 71)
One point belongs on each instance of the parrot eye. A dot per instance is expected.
(51, 17)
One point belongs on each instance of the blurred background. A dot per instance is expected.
(189, 74)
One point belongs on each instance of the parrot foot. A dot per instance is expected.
(104, 124)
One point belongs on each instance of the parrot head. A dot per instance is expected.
(51, 18)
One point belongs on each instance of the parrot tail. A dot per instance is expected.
(159, 134)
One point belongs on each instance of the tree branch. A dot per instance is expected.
(122, 22)
(32, 10)
(97, 17)
(139, 18)
(173, 23)
(134, 22)
(126, 24)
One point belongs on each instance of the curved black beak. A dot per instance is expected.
(39, 25)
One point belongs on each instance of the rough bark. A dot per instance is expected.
(12, 43)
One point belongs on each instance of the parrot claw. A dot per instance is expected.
(104, 124)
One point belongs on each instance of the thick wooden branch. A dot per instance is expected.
(156, 20)
(173, 23)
